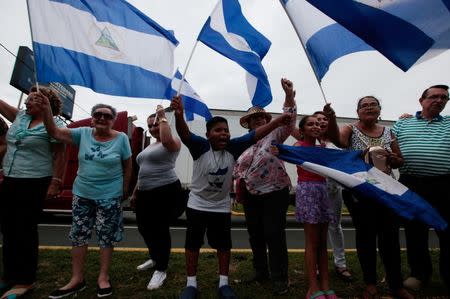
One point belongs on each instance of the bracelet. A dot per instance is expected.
(163, 120)
(57, 180)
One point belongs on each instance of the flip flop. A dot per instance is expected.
(316, 295)
(344, 274)
(17, 292)
(330, 294)
(4, 286)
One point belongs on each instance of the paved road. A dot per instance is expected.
(54, 231)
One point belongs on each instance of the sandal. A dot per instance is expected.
(316, 295)
(4, 286)
(330, 294)
(344, 274)
(16, 292)
(371, 295)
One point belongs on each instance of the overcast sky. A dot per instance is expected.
(221, 82)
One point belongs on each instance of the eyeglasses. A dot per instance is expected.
(436, 97)
(98, 115)
(368, 105)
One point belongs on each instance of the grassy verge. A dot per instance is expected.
(54, 271)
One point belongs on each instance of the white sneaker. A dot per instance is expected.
(412, 283)
(157, 280)
(147, 265)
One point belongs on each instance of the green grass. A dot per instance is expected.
(54, 272)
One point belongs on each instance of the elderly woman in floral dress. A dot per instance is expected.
(266, 187)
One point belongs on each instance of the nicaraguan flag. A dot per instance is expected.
(405, 31)
(347, 168)
(192, 102)
(228, 32)
(324, 40)
(108, 46)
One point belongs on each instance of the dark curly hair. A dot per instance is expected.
(52, 96)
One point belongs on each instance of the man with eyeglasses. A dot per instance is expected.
(425, 144)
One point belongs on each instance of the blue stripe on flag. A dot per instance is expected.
(121, 13)
(331, 43)
(236, 23)
(398, 40)
(447, 3)
(63, 65)
(249, 61)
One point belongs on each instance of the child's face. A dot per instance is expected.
(311, 128)
(218, 136)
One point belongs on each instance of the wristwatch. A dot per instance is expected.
(163, 120)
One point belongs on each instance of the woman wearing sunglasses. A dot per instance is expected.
(33, 166)
(104, 170)
(156, 194)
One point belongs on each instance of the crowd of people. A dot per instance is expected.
(32, 154)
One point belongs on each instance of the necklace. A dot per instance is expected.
(220, 159)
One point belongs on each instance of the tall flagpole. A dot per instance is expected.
(32, 45)
(306, 52)
(192, 53)
(186, 68)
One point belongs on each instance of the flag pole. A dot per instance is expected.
(306, 52)
(186, 68)
(190, 57)
(32, 45)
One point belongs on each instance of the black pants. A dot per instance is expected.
(436, 191)
(153, 216)
(20, 208)
(266, 222)
(374, 222)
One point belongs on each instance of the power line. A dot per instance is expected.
(31, 69)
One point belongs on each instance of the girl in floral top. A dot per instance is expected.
(312, 208)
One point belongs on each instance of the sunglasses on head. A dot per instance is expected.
(99, 115)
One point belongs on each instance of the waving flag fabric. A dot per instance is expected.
(192, 102)
(108, 46)
(347, 168)
(228, 32)
(404, 31)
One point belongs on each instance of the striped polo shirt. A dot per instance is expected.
(425, 145)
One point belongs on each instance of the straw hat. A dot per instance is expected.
(253, 111)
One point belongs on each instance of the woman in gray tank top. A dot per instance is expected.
(156, 192)
(373, 222)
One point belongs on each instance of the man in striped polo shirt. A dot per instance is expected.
(425, 144)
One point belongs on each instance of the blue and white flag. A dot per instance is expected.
(192, 102)
(347, 168)
(228, 32)
(406, 32)
(108, 46)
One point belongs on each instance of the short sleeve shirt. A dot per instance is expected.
(28, 151)
(425, 145)
(100, 171)
(212, 172)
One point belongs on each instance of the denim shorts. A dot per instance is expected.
(105, 214)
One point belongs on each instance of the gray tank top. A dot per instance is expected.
(156, 167)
